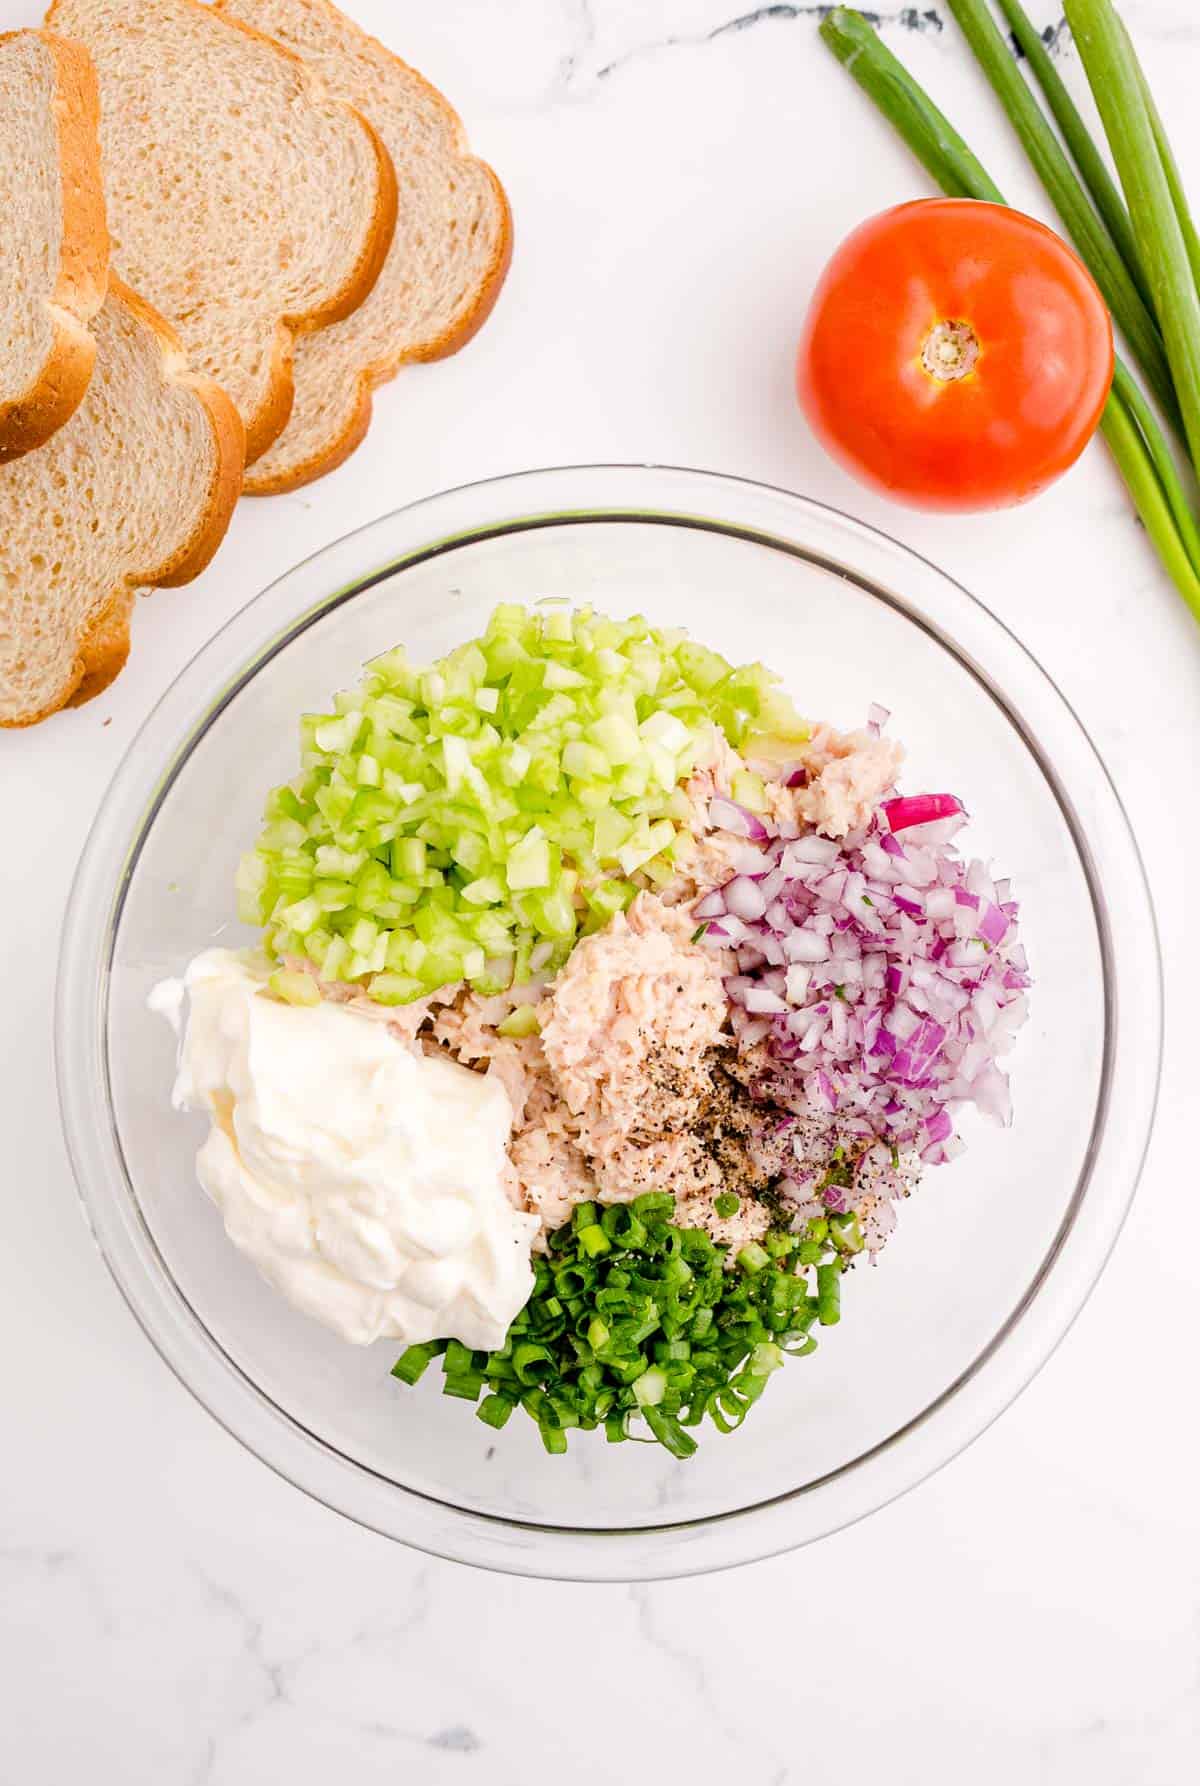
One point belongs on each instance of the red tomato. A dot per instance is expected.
(956, 355)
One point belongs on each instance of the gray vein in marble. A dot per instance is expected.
(457, 1740)
(454, 1739)
(277, 1676)
(648, 1603)
(392, 1630)
(584, 25)
(205, 1763)
(273, 1675)
(907, 18)
(1148, 22)
(56, 1563)
(1057, 38)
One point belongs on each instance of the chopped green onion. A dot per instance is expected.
(458, 1358)
(727, 1204)
(650, 1387)
(668, 1432)
(847, 1232)
(655, 1326)
(653, 1203)
(533, 1364)
(829, 1295)
(753, 1257)
(466, 1384)
(594, 1241)
(411, 1365)
(495, 1410)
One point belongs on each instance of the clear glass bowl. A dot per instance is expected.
(992, 1259)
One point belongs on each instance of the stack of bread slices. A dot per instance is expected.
(225, 223)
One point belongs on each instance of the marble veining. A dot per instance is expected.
(905, 18)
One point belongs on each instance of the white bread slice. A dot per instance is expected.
(244, 204)
(53, 242)
(448, 259)
(137, 487)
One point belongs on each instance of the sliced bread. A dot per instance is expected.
(136, 488)
(448, 258)
(53, 242)
(245, 204)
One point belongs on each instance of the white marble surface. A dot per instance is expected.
(173, 1615)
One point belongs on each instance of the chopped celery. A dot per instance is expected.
(449, 822)
(612, 829)
(748, 790)
(521, 1022)
(487, 890)
(528, 863)
(304, 915)
(616, 739)
(294, 988)
(645, 844)
(664, 729)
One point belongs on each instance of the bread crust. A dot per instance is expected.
(385, 367)
(271, 418)
(265, 428)
(103, 651)
(329, 457)
(103, 647)
(271, 421)
(382, 371)
(28, 420)
(225, 485)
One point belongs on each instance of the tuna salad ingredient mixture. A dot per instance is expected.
(731, 989)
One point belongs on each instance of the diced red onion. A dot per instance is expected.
(821, 1094)
(993, 925)
(919, 809)
(743, 899)
(762, 1003)
(812, 848)
(807, 945)
(922, 954)
(739, 821)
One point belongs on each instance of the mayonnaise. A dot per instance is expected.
(365, 1181)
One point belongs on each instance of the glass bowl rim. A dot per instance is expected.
(440, 524)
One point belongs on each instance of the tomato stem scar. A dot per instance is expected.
(950, 351)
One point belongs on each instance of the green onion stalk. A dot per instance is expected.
(1119, 87)
(1104, 192)
(1131, 313)
(1111, 239)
